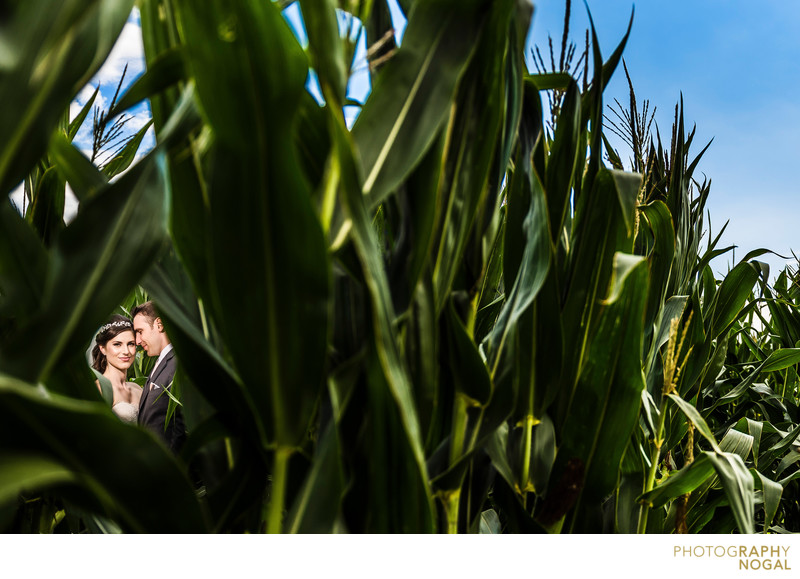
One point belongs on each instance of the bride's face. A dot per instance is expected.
(120, 350)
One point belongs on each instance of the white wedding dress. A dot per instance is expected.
(126, 411)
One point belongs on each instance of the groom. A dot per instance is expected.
(151, 337)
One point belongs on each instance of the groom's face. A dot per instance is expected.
(148, 335)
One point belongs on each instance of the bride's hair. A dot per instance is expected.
(116, 325)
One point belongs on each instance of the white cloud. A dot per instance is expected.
(138, 121)
(129, 51)
(753, 225)
(83, 97)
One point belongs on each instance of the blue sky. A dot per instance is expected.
(733, 61)
(127, 51)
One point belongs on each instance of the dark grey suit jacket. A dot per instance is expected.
(154, 402)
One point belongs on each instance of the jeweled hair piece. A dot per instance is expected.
(119, 324)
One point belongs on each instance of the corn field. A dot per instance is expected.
(463, 315)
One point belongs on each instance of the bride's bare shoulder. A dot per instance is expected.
(134, 390)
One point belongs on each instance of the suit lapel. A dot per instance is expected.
(158, 370)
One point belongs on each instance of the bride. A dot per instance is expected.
(112, 355)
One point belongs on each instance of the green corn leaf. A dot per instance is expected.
(781, 446)
(317, 504)
(626, 515)
(388, 477)
(327, 48)
(781, 359)
(250, 73)
(413, 93)
(772, 492)
(46, 214)
(561, 163)
(23, 266)
(52, 52)
(493, 417)
(613, 61)
(738, 486)
(777, 360)
(534, 264)
(212, 375)
(478, 110)
(599, 232)
(594, 424)
(422, 353)
(514, 90)
(391, 362)
(489, 302)
(527, 249)
(671, 310)
(125, 157)
(755, 428)
(732, 296)
(160, 39)
(711, 252)
(85, 443)
(106, 389)
(734, 476)
(83, 177)
(418, 201)
(29, 471)
(738, 391)
(592, 101)
(699, 422)
(76, 123)
(715, 364)
(676, 200)
(704, 513)
(550, 80)
(678, 484)
(497, 449)
(709, 290)
(543, 454)
(314, 146)
(164, 71)
(626, 186)
(790, 459)
(520, 185)
(490, 523)
(189, 224)
(657, 217)
(737, 443)
(537, 354)
(469, 370)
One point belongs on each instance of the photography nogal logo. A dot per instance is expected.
(747, 558)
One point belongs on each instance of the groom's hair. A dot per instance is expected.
(147, 310)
